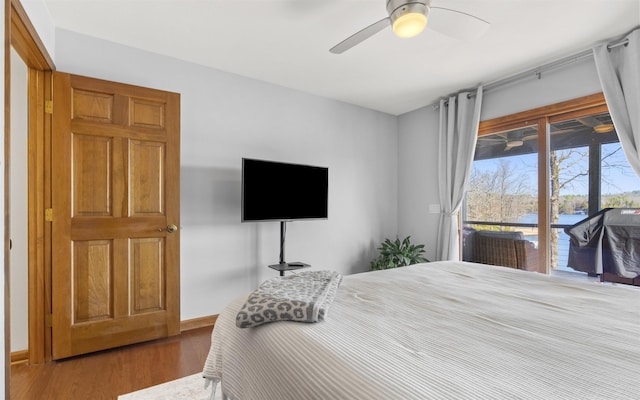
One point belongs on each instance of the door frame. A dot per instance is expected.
(22, 36)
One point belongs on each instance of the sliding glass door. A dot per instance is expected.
(584, 170)
(502, 198)
(588, 172)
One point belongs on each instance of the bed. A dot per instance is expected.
(441, 330)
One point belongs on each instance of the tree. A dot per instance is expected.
(500, 195)
(620, 201)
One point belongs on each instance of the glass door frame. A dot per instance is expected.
(543, 117)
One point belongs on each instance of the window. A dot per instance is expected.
(585, 171)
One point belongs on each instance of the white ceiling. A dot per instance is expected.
(286, 42)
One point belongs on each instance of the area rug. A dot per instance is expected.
(190, 387)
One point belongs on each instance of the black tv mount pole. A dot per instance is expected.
(283, 234)
(283, 265)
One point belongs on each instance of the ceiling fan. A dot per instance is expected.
(409, 17)
(510, 140)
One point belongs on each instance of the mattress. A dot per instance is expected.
(441, 330)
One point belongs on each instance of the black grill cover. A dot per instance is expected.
(608, 241)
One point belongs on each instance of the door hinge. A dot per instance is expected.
(48, 320)
(48, 106)
(48, 214)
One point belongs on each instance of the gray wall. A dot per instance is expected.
(225, 117)
(418, 140)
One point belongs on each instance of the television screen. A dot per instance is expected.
(276, 191)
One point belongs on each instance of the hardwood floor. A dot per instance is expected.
(109, 373)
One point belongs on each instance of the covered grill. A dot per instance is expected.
(607, 243)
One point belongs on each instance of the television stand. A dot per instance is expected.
(282, 267)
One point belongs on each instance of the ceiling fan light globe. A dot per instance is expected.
(603, 128)
(514, 143)
(409, 25)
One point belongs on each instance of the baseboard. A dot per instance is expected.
(196, 323)
(19, 357)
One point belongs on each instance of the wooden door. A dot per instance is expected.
(115, 200)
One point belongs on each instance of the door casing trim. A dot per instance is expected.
(22, 36)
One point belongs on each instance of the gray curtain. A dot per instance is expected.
(459, 119)
(619, 72)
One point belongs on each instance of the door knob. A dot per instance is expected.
(171, 228)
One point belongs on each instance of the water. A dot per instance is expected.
(563, 238)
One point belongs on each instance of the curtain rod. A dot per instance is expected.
(620, 43)
(553, 65)
(537, 71)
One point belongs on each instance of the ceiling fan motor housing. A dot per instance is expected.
(398, 8)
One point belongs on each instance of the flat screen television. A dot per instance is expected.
(278, 191)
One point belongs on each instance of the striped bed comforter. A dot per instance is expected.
(443, 330)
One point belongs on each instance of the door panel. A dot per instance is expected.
(91, 168)
(147, 185)
(92, 280)
(147, 271)
(115, 266)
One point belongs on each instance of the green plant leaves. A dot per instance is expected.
(398, 253)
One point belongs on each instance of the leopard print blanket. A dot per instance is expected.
(303, 297)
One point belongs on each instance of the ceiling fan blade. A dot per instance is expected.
(360, 36)
(589, 122)
(457, 24)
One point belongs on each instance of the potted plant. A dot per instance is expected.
(398, 253)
